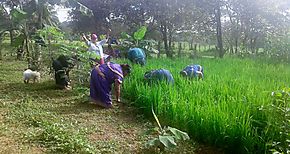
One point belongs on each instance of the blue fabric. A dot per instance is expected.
(159, 75)
(137, 55)
(114, 41)
(191, 70)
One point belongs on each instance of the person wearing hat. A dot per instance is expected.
(159, 75)
(96, 48)
(137, 55)
(193, 71)
(102, 78)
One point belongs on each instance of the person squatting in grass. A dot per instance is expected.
(96, 48)
(137, 55)
(193, 71)
(102, 78)
(159, 75)
(62, 65)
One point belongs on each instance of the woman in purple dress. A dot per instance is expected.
(102, 78)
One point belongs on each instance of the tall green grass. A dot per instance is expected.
(223, 109)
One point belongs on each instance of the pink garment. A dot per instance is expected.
(94, 37)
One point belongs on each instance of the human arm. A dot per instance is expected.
(100, 72)
(102, 42)
(85, 38)
(118, 90)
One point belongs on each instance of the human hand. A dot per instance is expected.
(84, 37)
(103, 75)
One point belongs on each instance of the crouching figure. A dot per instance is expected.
(137, 55)
(159, 75)
(31, 75)
(102, 78)
(193, 71)
(62, 67)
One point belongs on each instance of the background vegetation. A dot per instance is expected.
(242, 105)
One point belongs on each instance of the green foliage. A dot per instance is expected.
(137, 40)
(166, 136)
(18, 41)
(221, 110)
(49, 130)
(18, 15)
(57, 138)
(140, 33)
(133, 41)
(102, 37)
(180, 135)
(75, 49)
(124, 35)
(280, 110)
(50, 33)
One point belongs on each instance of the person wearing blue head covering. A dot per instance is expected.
(193, 71)
(137, 55)
(159, 75)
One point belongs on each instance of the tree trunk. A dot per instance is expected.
(1, 39)
(198, 47)
(236, 45)
(244, 43)
(0, 49)
(28, 56)
(40, 17)
(253, 45)
(159, 49)
(191, 44)
(231, 49)
(195, 50)
(165, 39)
(11, 37)
(170, 40)
(179, 49)
(219, 30)
(37, 57)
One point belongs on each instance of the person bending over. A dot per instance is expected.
(102, 78)
(193, 71)
(137, 55)
(159, 75)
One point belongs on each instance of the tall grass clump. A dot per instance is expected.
(46, 129)
(222, 110)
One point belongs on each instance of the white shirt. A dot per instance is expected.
(97, 47)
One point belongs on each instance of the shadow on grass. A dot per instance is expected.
(46, 89)
(76, 108)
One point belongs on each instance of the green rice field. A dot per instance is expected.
(227, 109)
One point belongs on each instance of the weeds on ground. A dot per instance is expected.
(49, 131)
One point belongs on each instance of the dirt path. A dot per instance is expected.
(24, 109)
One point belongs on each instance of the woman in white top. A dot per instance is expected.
(96, 48)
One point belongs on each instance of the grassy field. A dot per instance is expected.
(225, 110)
(38, 118)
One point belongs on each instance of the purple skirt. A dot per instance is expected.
(100, 89)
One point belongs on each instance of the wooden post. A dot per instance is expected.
(179, 49)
